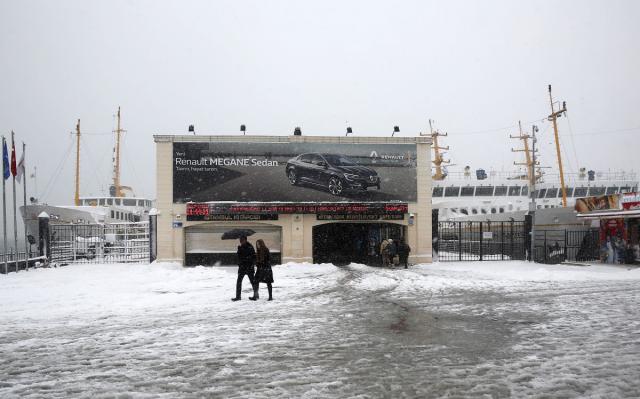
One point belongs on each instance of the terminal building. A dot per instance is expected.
(310, 198)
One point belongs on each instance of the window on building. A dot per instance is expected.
(593, 191)
(493, 210)
(625, 189)
(112, 214)
(501, 210)
(542, 192)
(451, 191)
(129, 202)
(437, 192)
(109, 201)
(464, 211)
(525, 190)
(483, 211)
(467, 191)
(514, 190)
(552, 193)
(500, 191)
(101, 201)
(474, 211)
(484, 191)
(569, 191)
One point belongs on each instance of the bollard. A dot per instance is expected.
(153, 235)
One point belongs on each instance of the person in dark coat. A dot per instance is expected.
(403, 253)
(392, 250)
(246, 260)
(264, 274)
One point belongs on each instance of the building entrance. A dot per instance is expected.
(344, 243)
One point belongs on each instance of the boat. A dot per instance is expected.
(95, 210)
(509, 196)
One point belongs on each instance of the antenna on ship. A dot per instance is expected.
(76, 197)
(437, 156)
(528, 155)
(116, 189)
(553, 118)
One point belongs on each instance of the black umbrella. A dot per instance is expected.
(237, 233)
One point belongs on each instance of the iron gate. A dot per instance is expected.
(478, 241)
(98, 243)
(554, 246)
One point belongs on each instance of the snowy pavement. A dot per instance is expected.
(474, 329)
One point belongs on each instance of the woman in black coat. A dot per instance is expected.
(264, 274)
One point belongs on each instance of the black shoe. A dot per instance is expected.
(235, 299)
(253, 298)
(270, 299)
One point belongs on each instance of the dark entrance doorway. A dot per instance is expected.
(344, 243)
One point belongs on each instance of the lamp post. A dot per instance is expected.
(396, 129)
(243, 129)
(192, 129)
(349, 131)
(297, 131)
(533, 193)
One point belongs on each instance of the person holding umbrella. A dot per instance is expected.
(264, 274)
(246, 260)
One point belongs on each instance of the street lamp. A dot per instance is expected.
(297, 131)
(396, 129)
(349, 131)
(192, 129)
(243, 129)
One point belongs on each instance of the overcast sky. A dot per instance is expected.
(475, 67)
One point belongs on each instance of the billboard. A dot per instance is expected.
(601, 203)
(293, 172)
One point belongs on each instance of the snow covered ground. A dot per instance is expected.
(474, 329)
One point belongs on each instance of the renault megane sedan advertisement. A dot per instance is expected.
(294, 172)
(336, 173)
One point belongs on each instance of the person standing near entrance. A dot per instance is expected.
(246, 260)
(392, 250)
(264, 273)
(384, 253)
(403, 252)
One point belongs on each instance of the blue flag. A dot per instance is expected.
(5, 161)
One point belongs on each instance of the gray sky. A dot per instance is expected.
(474, 67)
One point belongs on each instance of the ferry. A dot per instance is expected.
(112, 209)
(503, 196)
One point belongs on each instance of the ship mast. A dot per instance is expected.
(437, 157)
(553, 118)
(529, 163)
(116, 165)
(76, 198)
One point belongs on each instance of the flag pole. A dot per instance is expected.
(4, 205)
(15, 219)
(24, 192)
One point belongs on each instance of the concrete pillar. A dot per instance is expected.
(422, 215)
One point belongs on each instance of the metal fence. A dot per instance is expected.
(478, 241)
(555, 246)
(98, 243)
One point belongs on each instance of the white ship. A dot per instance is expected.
(115, 208)
(500, 196)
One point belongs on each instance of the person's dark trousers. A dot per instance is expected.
(404, 260)
(241, 273)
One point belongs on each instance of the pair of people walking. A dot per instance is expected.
(247, 257)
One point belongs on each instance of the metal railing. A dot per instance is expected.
(479, 241)
(555, 246)
(97, 243)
